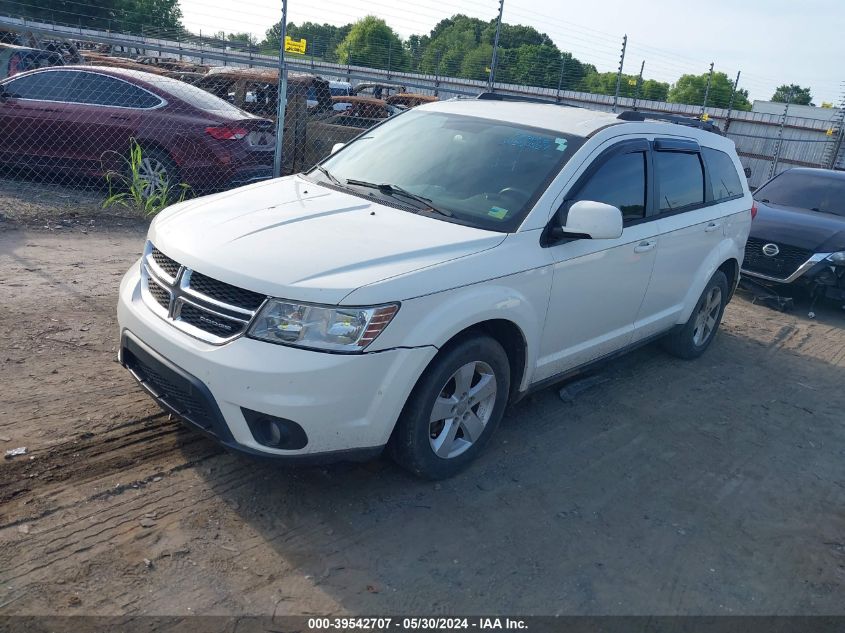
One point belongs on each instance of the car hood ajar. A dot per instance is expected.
(297, 240)
(810, 230)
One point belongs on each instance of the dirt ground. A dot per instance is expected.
(706, 487)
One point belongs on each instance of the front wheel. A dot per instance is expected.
(694, 337)
(454, 409)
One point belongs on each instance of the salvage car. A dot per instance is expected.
(18, 59)
(449, 261)
(798, 235)
(77, 121)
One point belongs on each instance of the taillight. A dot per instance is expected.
(225, 133)
(754, 210)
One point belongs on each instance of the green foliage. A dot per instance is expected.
(116, 15)
(244, 39)
(370, 42)
(131, 188)
(322, 39)
(690, 89)
(800, 96)
(605, 84)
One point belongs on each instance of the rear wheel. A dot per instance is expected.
(691, 340)
(454, 409)
(157, 173)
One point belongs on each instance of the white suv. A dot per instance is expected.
(440, 266)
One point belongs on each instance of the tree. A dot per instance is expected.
(370, 42)
(800, 96)
(130, 16)
(244, 39)
(690, 89)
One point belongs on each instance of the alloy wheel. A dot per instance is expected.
(708, 314)
(462, 409)
(153, 175)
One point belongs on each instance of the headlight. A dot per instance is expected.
(837, 259)
(328, 328)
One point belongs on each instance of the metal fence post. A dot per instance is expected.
(495, 59)
(779, 142)
(437, 74)
(389, 55)
(639, 85)
(731, 102)
(707, 89)
(619, 72)
(282, 97)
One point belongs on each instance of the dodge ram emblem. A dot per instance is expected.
(770, 250)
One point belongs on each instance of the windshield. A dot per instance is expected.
(817, 192)
(481, 172)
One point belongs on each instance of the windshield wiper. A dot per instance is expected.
(329, 175)
(395, 190)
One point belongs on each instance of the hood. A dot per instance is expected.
(298, 240)
(802, 228)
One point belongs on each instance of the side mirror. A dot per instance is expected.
(595, 220)
(337, 147)
(747, 171)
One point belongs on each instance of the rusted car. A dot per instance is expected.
(409, 100)
(18, 59)
(378, 91)
(325, 131)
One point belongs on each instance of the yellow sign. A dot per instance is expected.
(632, 82)
(705, 117)
(829, 131)
(295, 46)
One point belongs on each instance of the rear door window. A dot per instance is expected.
(680, 180)
(96, 89)
(723, 177)
(51, 85)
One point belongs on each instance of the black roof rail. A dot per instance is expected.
(498, 96)
(636, 115)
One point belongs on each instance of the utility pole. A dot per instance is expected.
(495, 59)
(560, 79)
(639, 85)
(282, 97)
(707, 89)
(619, 72)
(731, 102)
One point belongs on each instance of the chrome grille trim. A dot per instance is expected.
(178, 289)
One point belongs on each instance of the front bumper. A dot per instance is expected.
(820, 276)
(347, 404)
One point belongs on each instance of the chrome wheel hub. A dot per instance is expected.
(706, 317)
(462, 409)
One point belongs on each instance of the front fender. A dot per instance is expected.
(725, 250)
(436, 319)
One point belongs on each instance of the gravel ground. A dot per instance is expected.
(706, 487)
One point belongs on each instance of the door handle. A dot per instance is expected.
(118, 117)
(645, 246)
(712, 227)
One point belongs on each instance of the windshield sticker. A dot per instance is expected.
(561, 144)
(529, 141)
(497, 212)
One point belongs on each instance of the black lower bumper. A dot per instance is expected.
(188, 398)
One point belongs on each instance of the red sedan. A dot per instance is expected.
(78, 121)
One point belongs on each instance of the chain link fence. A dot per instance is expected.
(148, 119)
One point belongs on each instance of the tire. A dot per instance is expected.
(694, 337)
(157, 166)
(436, 447)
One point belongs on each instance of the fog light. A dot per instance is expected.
(274, 432)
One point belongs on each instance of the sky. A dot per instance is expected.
(771, 41)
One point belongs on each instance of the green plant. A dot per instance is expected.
(138, 186)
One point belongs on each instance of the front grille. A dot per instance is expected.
(173, 390)
(158, 293)
(171, 267)
(225, 293)
(781, 266)
(205, 308)
(211, 323)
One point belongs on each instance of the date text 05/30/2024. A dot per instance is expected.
(416, 624)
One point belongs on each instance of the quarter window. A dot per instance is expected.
(680, 180)
(723, 176)
(52, 85)
(620, 181)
